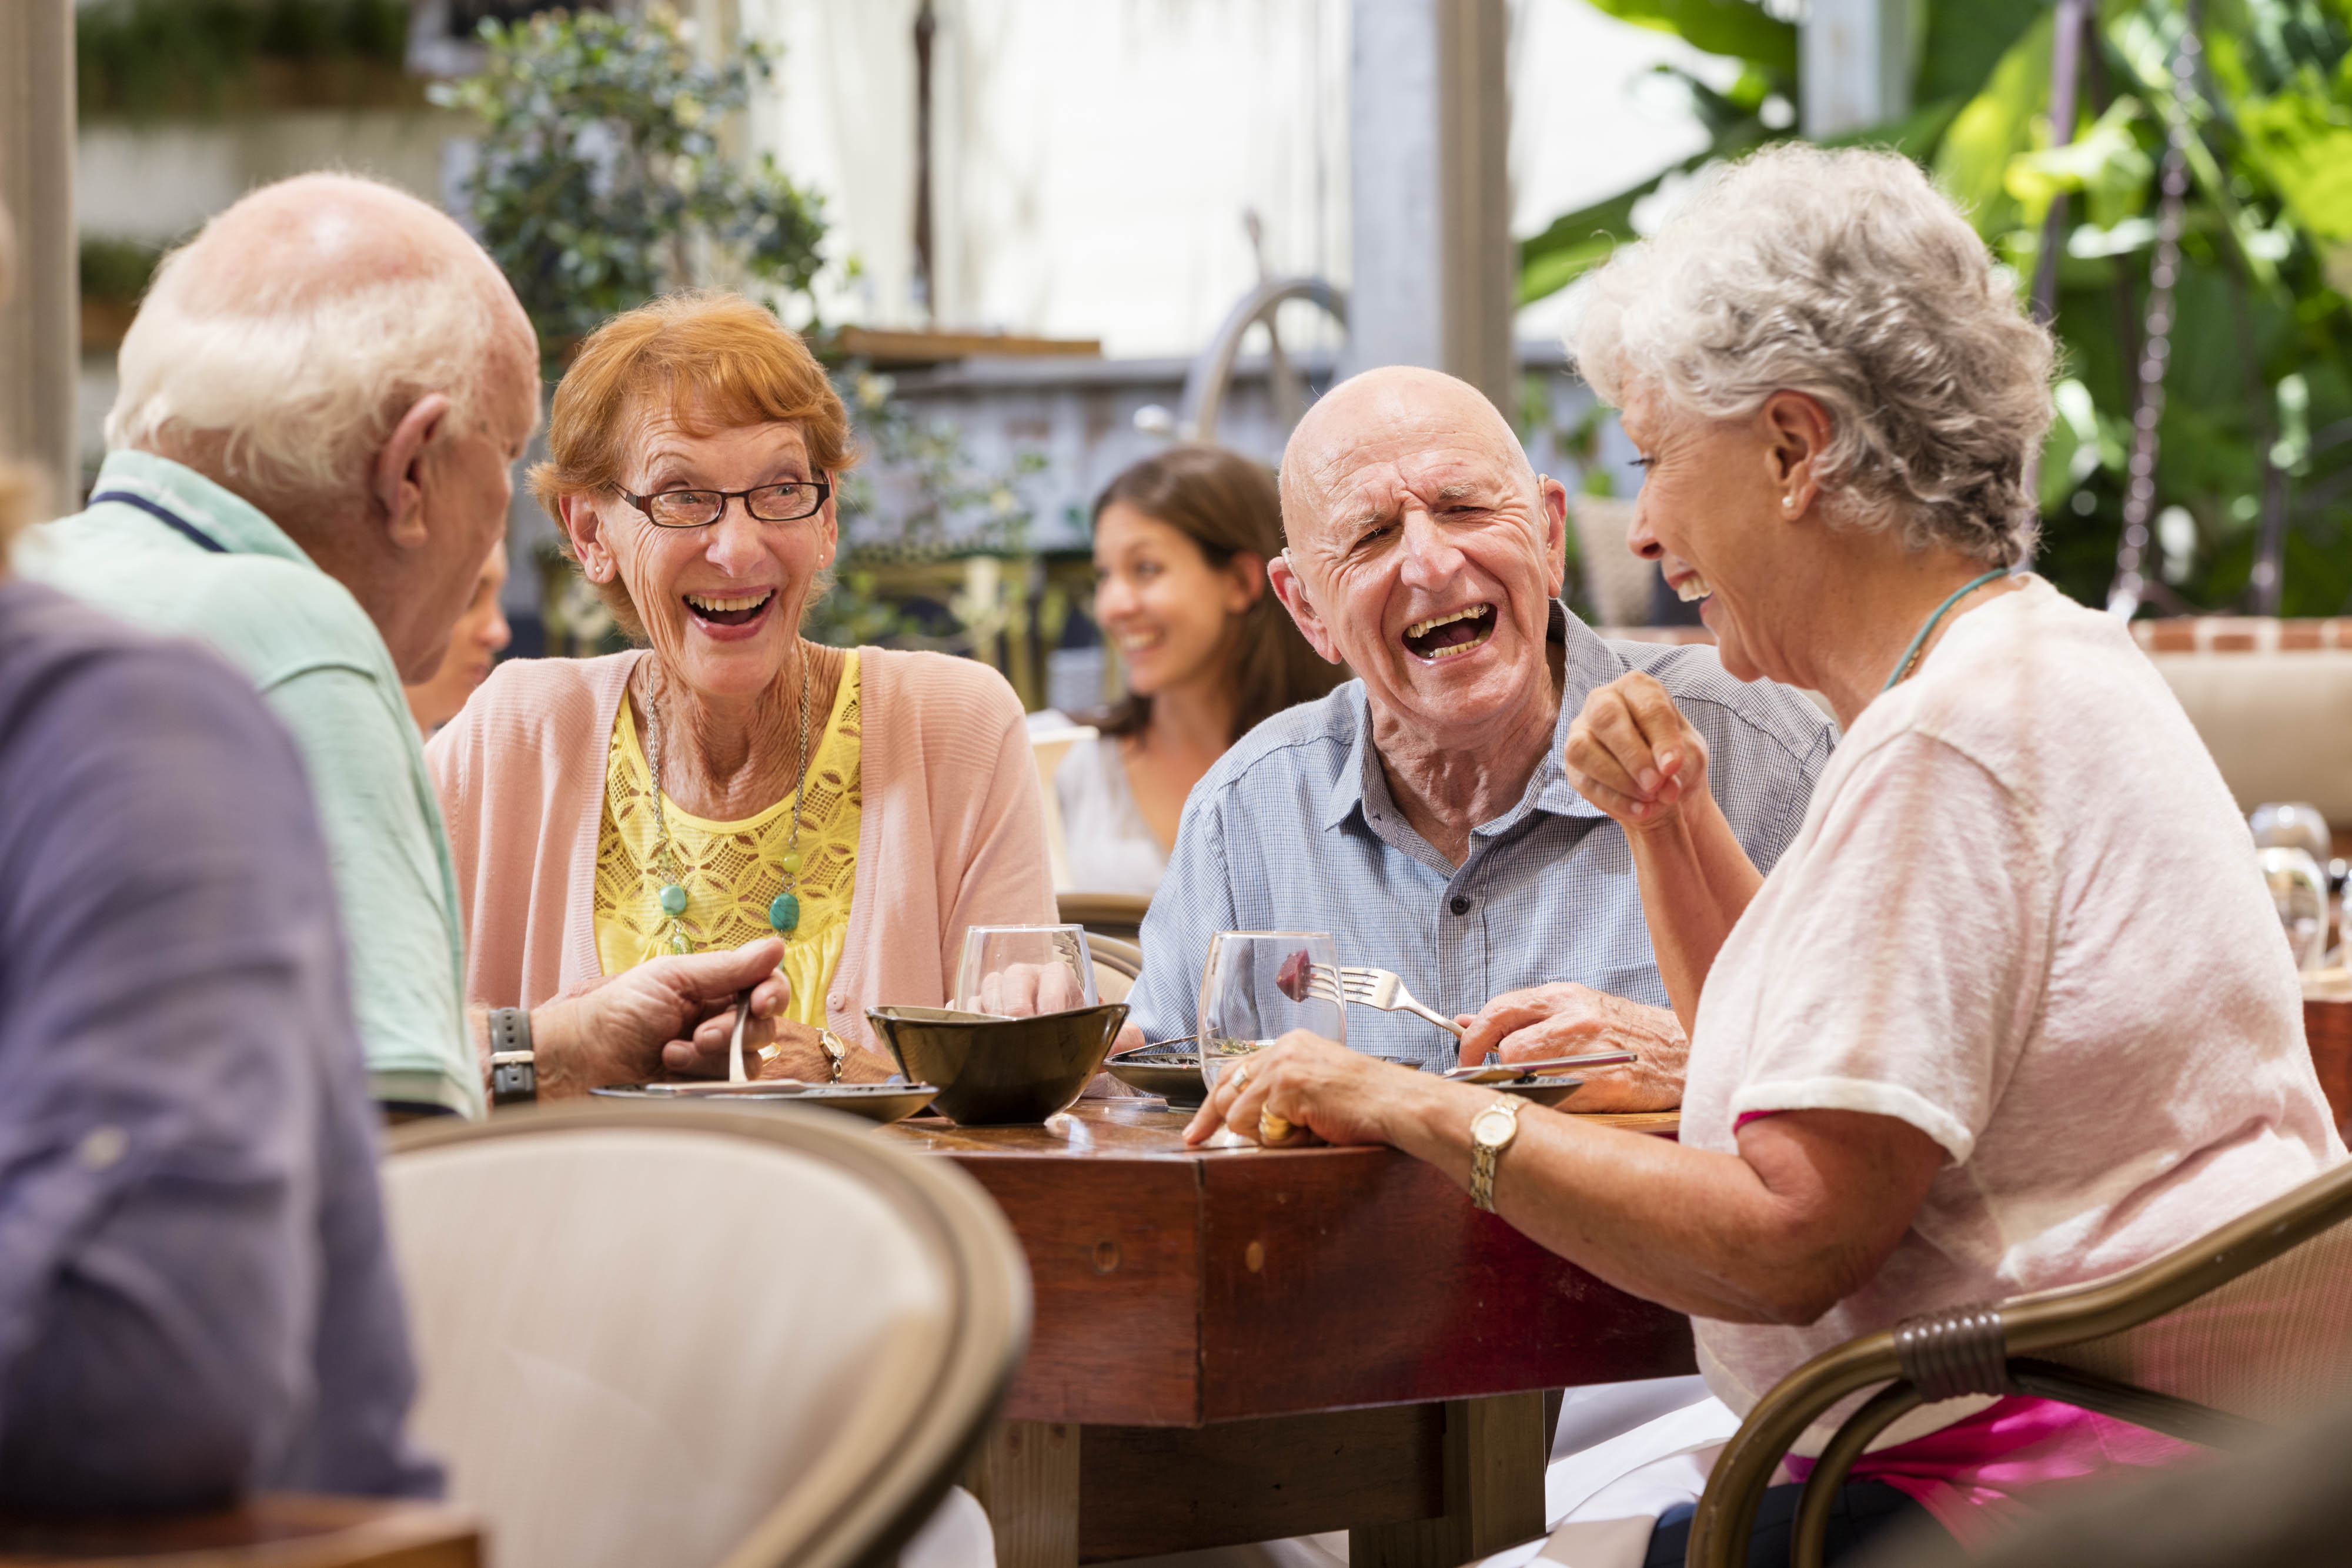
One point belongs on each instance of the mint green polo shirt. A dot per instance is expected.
(320, 663)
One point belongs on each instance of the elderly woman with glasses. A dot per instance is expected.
(730, 782)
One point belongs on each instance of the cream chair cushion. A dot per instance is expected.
(635, 1343)
(2278, 724)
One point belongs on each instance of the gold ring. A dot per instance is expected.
(1273, 1129)
(1241, 1076)
(770, 1052)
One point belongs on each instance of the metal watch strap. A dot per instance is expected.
(514, 1068)
(1484, 1156)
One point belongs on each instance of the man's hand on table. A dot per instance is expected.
(623, 1029)
(1569, 1020)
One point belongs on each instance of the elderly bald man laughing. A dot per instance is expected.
(1421, 812)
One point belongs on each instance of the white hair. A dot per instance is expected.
(1844, 275)
(305, 378)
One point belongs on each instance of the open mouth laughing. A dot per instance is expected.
(729, 610)
(1692, 589)
(1452, 634)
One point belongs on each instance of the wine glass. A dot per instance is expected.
(1257, 986)
(1021, 971)
(2299, 892)
(2292, 825)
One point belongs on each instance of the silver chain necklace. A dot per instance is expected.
(784, 909)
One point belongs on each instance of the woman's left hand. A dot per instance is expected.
(1324, 1092)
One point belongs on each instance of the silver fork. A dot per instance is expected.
(1379, 988)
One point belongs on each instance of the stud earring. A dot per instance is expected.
(1788, 503)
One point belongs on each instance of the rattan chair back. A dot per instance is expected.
(699, 1338)
(2249, 1326)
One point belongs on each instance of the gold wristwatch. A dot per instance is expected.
(836, 1051)
(1491, 1132)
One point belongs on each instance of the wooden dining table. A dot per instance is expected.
(1237, 1345)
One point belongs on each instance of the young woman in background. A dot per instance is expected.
(1182, 540)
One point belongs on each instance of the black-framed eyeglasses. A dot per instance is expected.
(785, 502)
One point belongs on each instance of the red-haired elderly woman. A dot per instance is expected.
(730, 782)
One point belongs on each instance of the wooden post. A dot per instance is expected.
(1855, 65)
(1493, 1489)
(40, 318)
(1027, 1475)
(1435, 275)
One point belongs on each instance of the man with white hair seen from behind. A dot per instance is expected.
(310, 455)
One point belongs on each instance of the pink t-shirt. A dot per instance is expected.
(2023, 916)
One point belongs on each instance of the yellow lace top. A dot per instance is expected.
(731, 870)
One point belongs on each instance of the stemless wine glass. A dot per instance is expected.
(2299, 892)
(1020, 971)
(1259, 985)
(2292, 825)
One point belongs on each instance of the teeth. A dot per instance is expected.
(712, 602)
(1423, 628)
(1692, 589)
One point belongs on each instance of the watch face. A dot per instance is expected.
(1495, 1124)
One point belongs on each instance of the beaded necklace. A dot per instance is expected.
(1911, 655)
(784, 909)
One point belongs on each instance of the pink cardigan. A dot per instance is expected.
(953, 832)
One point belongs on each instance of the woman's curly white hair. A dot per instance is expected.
(1847, 276)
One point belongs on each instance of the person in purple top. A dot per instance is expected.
(196, 1295)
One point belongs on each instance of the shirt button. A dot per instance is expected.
(1460, 905)
(101, 1147)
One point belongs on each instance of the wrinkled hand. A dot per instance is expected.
(1569, 1020)
(1329, 1094)
(1025, 990)
(620, 1030)
(1632, 754)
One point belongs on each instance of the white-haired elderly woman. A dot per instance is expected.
(2013, 1011)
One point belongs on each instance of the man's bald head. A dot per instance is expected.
(1424, 552)
(1388, 406)
(292, 333)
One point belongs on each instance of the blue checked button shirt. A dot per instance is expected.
(1294, 829)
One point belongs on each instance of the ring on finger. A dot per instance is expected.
(1241, 1077)
(770, 1052)
(1272, 1128)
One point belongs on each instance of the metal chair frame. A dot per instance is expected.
(2002, 1348)
(909, 1469)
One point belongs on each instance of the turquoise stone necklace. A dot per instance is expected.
(784, 909)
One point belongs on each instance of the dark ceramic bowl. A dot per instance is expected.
(999, 1072)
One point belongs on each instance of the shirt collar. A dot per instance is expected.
(233, 522)
(1588, 662)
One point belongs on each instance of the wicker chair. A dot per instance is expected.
(692, 1336)
(2247, 1327)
